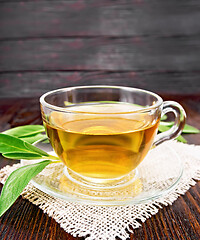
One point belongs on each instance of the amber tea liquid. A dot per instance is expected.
(101, 146)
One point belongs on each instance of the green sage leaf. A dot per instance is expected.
(190, 129)
(181, 139)
(164, 117)
(187, 128)
(34, 138)
(163, 128)
(24, 131)
(10, 144)
(16, 182)
(46, 141)
(35, 149)
(27, 156)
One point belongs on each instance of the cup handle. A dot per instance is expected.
(176, 129)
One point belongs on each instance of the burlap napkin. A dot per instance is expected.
(102, 222)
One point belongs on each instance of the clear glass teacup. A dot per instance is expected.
(102, 133)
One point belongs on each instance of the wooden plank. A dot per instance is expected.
(34, 84)
(25, 19)
(121, 54)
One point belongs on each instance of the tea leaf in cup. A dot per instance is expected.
(16, 182)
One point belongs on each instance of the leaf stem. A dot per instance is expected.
(51, 157)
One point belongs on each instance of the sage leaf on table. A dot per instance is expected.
(16, 148)
(187, 128)
(10, 144)
(180, 138)
(164, 126)
(16, 182)
(25, 131)
(28, 133)
(35, 138)
(190, 129)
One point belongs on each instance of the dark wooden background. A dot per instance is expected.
(151, 44)
(49, 44)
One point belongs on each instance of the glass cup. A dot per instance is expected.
(102, 133)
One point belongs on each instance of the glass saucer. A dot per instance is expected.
(158, 174)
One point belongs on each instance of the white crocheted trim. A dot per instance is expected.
(101, 222)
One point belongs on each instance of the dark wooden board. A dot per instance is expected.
(47, 44)
(25, 221)
(125, 54)
(37, 83)
(25, 19)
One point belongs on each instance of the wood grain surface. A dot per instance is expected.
(37, 83)
(50, 44)
(27, 19)
(125, 54)
(25, 221)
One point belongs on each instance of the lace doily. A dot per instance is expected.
(102, 222)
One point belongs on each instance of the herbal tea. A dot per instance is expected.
(101, 147)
